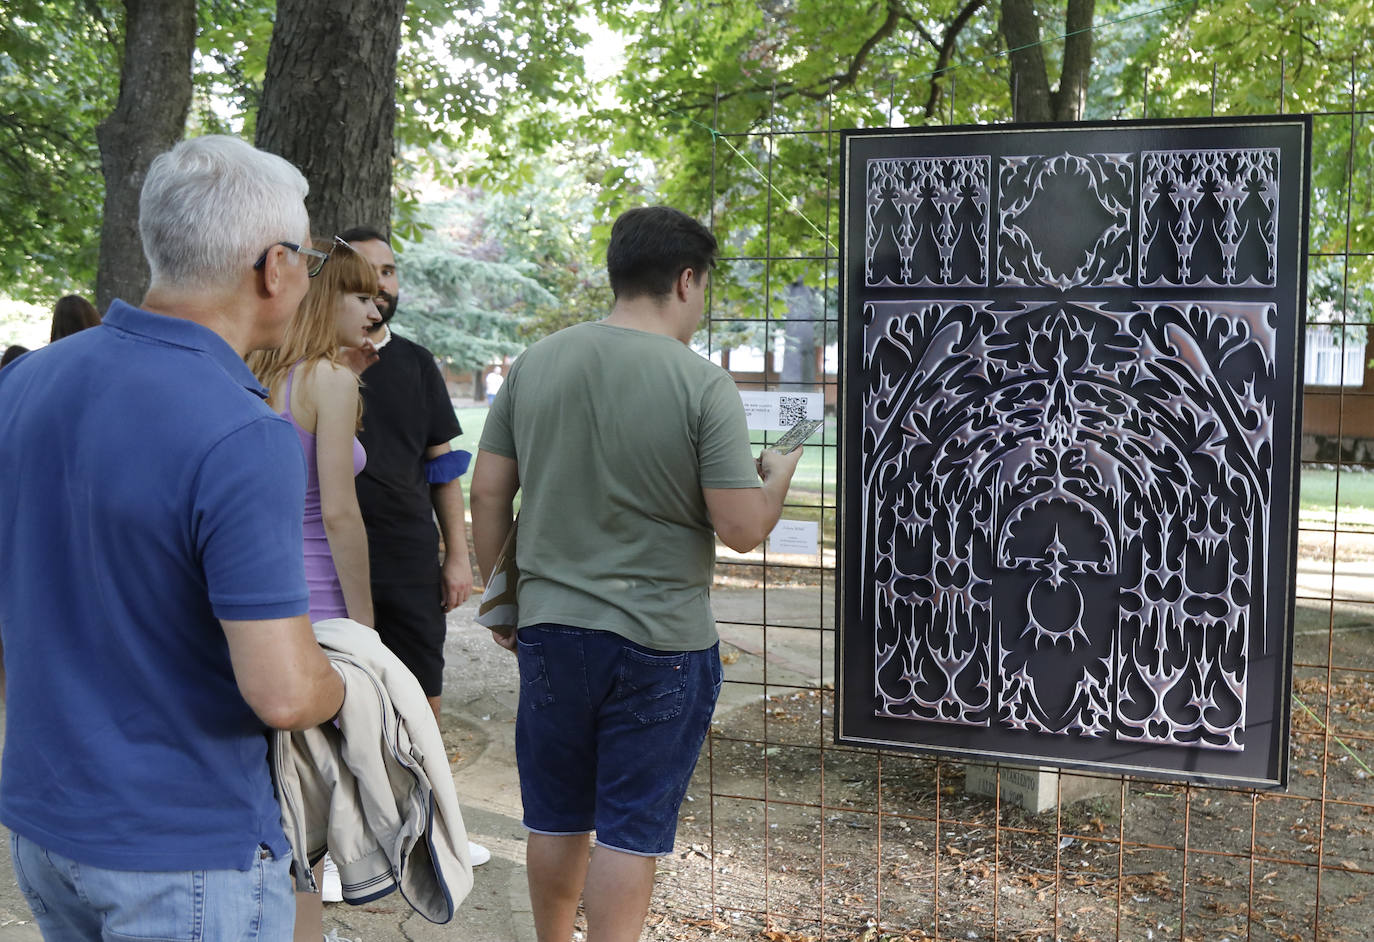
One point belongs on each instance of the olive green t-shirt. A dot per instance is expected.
(615, 432)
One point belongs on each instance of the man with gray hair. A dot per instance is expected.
(152, 596)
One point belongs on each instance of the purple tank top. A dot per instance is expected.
(326, 595)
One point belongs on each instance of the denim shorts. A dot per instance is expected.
(608, 733)
(73, 901)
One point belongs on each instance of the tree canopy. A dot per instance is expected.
(729, 102)
(499, 268)
(55, 87)
(721, 108)
(463, 75)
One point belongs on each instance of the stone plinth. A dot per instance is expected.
(1034, 788)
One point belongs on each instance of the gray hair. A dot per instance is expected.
(212, 204)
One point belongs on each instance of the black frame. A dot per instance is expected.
(1017, 297)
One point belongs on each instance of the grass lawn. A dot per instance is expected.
(1321, 507)
(471, 419)
(815, 472)
(814, 482)
(1322, 493)
(1318, 489)
(815, 477)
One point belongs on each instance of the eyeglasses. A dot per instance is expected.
(314, 258)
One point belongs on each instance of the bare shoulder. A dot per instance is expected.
(332, 379)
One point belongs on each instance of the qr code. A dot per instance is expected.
(791, 410)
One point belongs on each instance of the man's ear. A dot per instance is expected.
(684, 283)
(273, 274)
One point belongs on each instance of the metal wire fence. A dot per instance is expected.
(790, 837)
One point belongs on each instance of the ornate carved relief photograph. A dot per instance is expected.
(1069, 422)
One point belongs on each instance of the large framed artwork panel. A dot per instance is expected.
(1070, 417)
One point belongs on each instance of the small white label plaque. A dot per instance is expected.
(800, 537)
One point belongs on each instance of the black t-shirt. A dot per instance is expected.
(406, 411)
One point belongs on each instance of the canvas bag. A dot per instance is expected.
(497, 609)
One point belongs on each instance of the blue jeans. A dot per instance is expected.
(74, 901)
(607, 734)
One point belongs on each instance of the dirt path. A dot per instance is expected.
(810, 852)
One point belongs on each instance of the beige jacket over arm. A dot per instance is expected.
(375, 789)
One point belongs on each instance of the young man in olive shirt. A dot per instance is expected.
(632, 455)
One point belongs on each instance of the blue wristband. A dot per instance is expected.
(447, 466)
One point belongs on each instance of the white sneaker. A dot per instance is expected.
(333, 936)
(331, 888)
(477, 854)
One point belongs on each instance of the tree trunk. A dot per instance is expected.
(1030, 85)
(329, 105)
(1032, 99)
(1072, 94)
(799, 351)
(150, 117)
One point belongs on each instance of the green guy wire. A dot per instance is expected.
(1298, 701)
(786, 201)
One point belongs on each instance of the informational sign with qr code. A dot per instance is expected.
(779, 411)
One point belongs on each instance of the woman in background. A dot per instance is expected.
(312, 387)
(71, 315)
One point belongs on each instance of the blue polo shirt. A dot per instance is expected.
(146, 491)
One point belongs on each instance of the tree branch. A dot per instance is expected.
(942, 61)
(18, 133)
(844, 79)
(921, 30)
(816, 90)
(97, 13)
